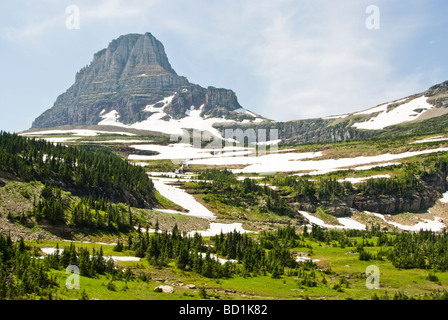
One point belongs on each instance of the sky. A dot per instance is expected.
(285, 59)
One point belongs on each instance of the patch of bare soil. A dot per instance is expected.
(17, 231)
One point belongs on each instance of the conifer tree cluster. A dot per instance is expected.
(86, 213)
(424, 250)
(101, 215)
(90, 262)
(242, 254)
(83, 170)
(409, 180)
(21, 275)
(222, 186)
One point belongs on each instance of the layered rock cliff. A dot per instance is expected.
(421, 200)
(131, 73)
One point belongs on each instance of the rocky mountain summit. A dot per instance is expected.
(131, 73)
(131, 84)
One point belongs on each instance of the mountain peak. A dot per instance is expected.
(133, 72)
(129, 56)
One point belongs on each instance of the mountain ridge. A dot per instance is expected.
(130, 74)
(131, 84)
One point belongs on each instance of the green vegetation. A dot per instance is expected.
(262, 266)
(22, 276)
(222, 187)
(84, 170)
(93, 191)
(422, 176)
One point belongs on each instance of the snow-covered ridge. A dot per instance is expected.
(75, 132)
(160, 121)
(405, 112)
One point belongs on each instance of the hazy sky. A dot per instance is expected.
(286, 60)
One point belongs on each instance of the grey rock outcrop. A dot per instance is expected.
(131, 73)
(433, 186)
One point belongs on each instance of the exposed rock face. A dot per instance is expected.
(438, 95)
(131, 73)
(394, 204)
(434, 186)
(134, 72)
(308, 131)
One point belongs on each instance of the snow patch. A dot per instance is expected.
(432, 139)
(182, 198)
(346, 222)
(115, 258)
(435, 225)
(336, 117)
(109, 119)
(444, 199)
(359, 180)
(216, 229)
(76, 132)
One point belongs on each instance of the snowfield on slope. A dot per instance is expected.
(216, 229)
(297, 162)
(157, 120)
(435, 225)
(346, 222)
(403, 113)
(188, 202)
(75, 132)
(431, 139)
(284, 161)
(182, 198)
(183, 151)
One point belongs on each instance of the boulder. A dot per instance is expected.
(164, 289)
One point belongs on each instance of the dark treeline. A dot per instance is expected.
(189, 253)
(222, 186)
(86, 213)
(84, 171)
(412, 178)
(405, 250)
(423, 250)
(322, 189)
(24, 276)
(21, 275)
(90, 263)
(101, 214)
(245, 256)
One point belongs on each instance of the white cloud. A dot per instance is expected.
(116, 9)
(318, 60)
(290, 59)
